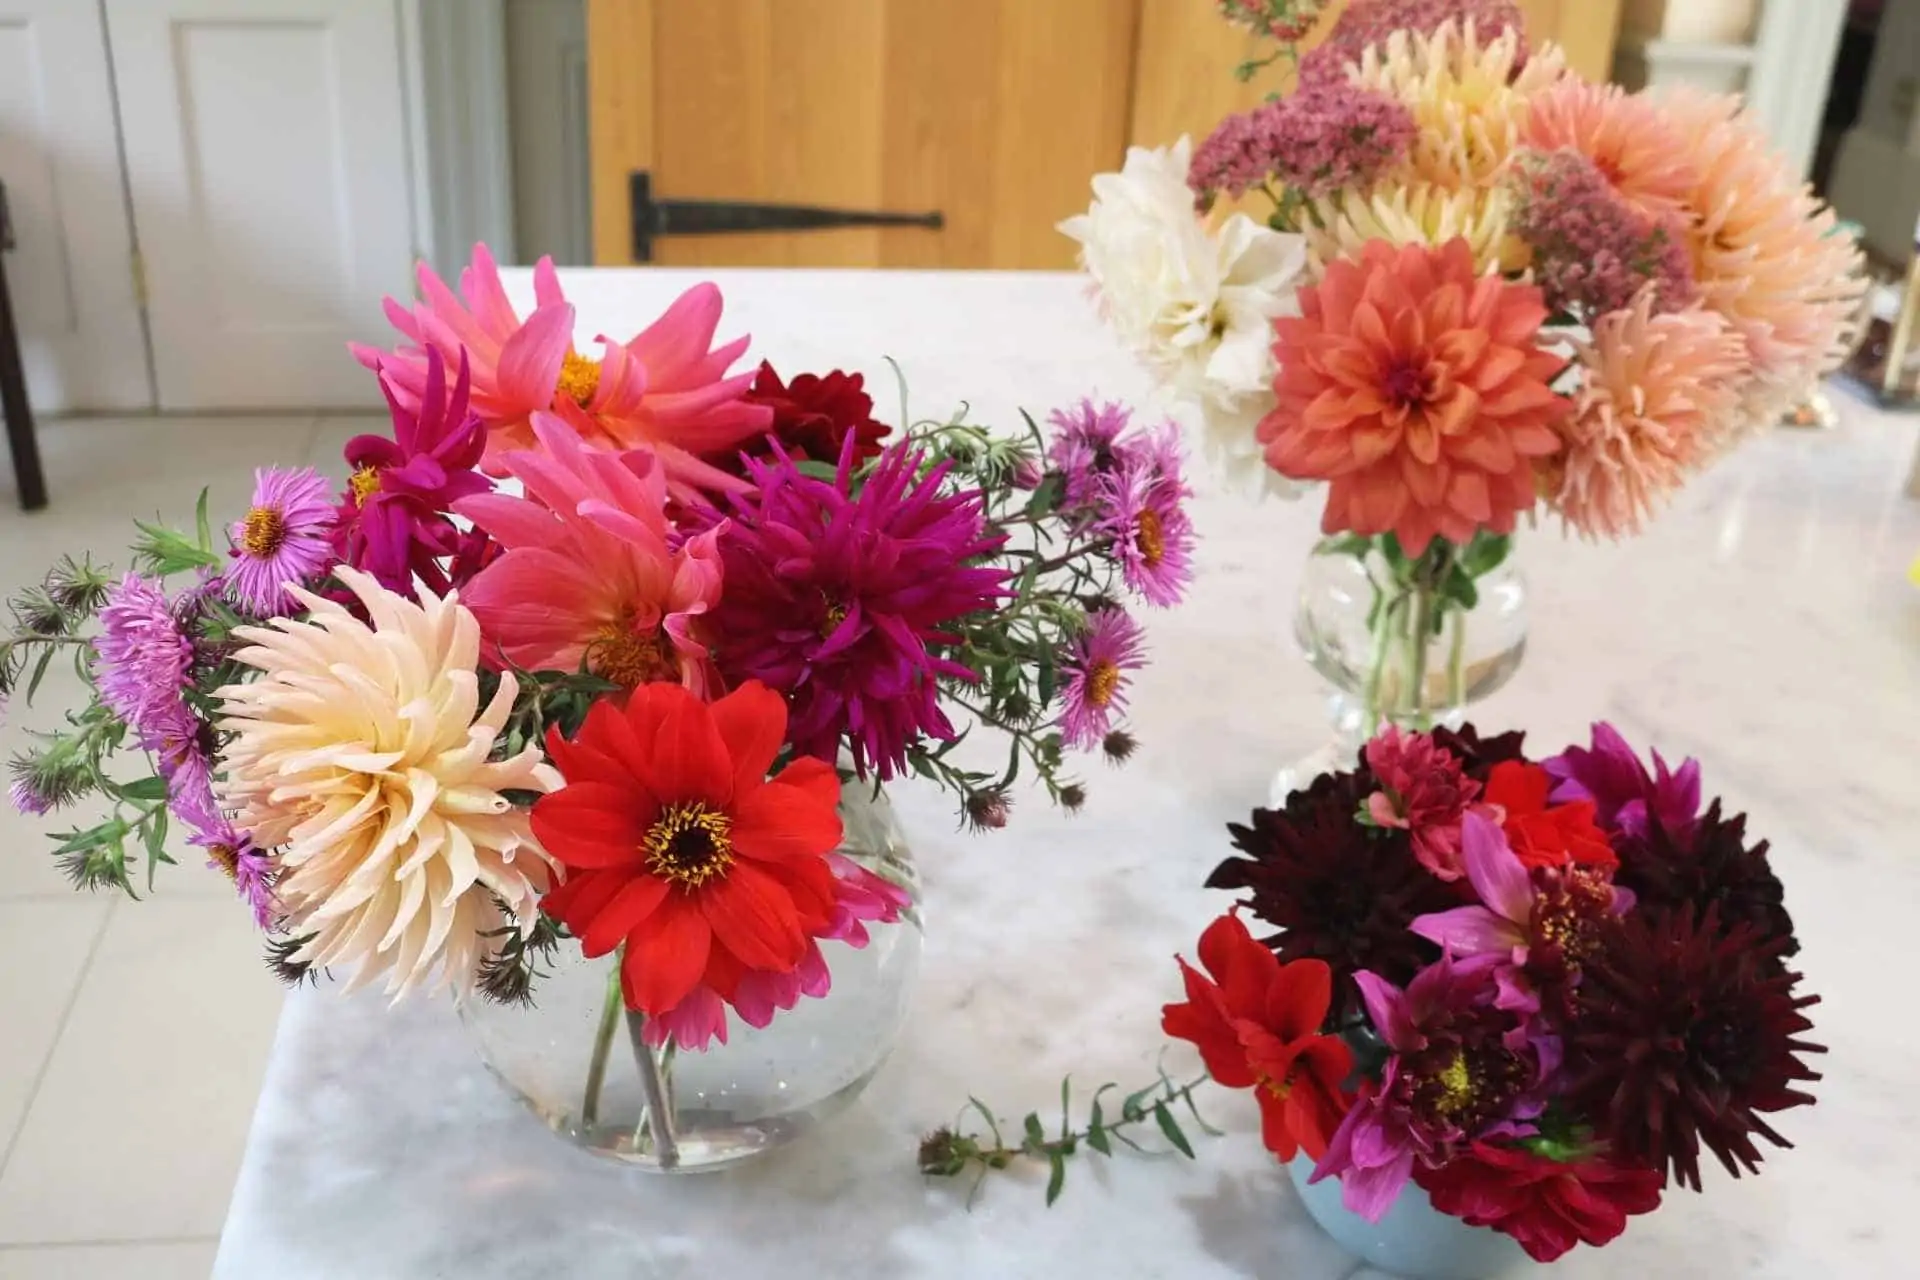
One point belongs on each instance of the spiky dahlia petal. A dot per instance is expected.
(1417, 212)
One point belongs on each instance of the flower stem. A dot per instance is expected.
(659, 1114)
(602, 1046)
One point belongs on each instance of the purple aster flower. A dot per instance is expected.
(182, 745)
(1087, 448)
(1142, 514)
(230, 850)
(1623, 792)
(1541, 924)
(841, 601)
(25, 792)
(1453, 1076)
(1096, 666)
(143, 657)
(393, 521)
(284, 539)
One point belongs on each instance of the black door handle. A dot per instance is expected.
(654, 218)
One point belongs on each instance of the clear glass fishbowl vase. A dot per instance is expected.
(578, 1058)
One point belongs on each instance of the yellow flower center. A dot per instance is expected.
(628, 657)
(228, 857)
(689, 845)
(579, 380)
(1151, 539)
(1103, 680)
(1277, 1089)
(365, 482)
(263, 532)
(1457, 1089)
(835, 615)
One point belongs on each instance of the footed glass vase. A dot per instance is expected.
(579, 1060)
(1405, 640)
(1414, 1241)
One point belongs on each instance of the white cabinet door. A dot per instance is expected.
(267, 156)
(71, 276)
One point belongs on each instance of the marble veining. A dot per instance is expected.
(1764, 625)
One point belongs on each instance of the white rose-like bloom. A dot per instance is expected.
(357, 753)
(1195, 303)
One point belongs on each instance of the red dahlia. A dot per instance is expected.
(1547, 1205)
(813, 415)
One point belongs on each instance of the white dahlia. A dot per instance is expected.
(358, 755)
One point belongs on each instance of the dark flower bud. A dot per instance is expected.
(1119, 746)
(987, 810)
(1072, 797)
(944, 1153)
(78, 586)
(1018, 708)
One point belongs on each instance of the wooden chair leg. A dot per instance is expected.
(13, 403)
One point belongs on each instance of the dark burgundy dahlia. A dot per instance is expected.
(1478, 755)
(1709, 865)
(1335, 890)
(1685, 1036)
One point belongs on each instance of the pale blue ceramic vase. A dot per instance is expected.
(1415, 1240)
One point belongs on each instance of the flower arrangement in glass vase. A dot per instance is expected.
(581, 695)
(1484, 286)
(1529, 995)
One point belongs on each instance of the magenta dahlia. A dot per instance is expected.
(841, 600)
(393, 521)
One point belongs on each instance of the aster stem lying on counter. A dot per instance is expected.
(948, 1153)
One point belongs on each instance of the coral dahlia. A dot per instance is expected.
(1418, 388)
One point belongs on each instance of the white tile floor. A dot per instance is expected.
(133, 1035)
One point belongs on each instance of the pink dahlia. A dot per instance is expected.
(1096, 666)
(393, 521)
(1593, 251)
(590, 575)
(840, 599)
(667, 389)
(1425, 791)
(284, 541)
(1323, 139)
(1419, 389)
(1628, 137)
(1658, 397)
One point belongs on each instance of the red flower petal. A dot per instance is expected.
(753, 917)
(782, 821)
(582, 897)
(1202, 1021)
(665, 960)
(687, 756)
(592, 824)
(816, 777)
(1244, 969)
(752, 721)
(1297, 1000)
(637, 900)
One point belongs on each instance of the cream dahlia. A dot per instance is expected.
(1418, 213)
(358, 755)
(1765, 251)
(1195, 303)
(1628, 137)
(1466, 98)
(1417, 387)
(1658, 394)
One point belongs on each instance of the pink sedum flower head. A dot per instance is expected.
(590, 576)
(1096, 667)
(393, 521)
(362, 754)
(1323, 139)
(284, 541)
(1425, 791)
(668, 389)
(840, 601)
(1594, 252)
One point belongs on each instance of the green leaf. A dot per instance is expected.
(1049, 680)
(1057, 1178)
(1390, 548)
(93, 837)
(1487, 552)
(40, 671)
(1355, 545)
(1036, 1133)
(1097, 1126)
(156, 842)
(154, 788)
(1171, 1127)
(1133, 1107)
(201, 522)
(1045, 499)
(818, 470)
(1066, 1116)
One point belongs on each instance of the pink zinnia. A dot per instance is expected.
(667, 389)
(842, 601)
(1143, 516)
(1593, 251)
(1322, 139)
(393, 522)
(1096, 666)
(590, 575)
(1425, 791)
(284, 541)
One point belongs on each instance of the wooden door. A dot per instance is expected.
(995, 113)
(72, 275)
(266, 153)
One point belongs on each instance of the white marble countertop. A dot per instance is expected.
(1765, 626)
